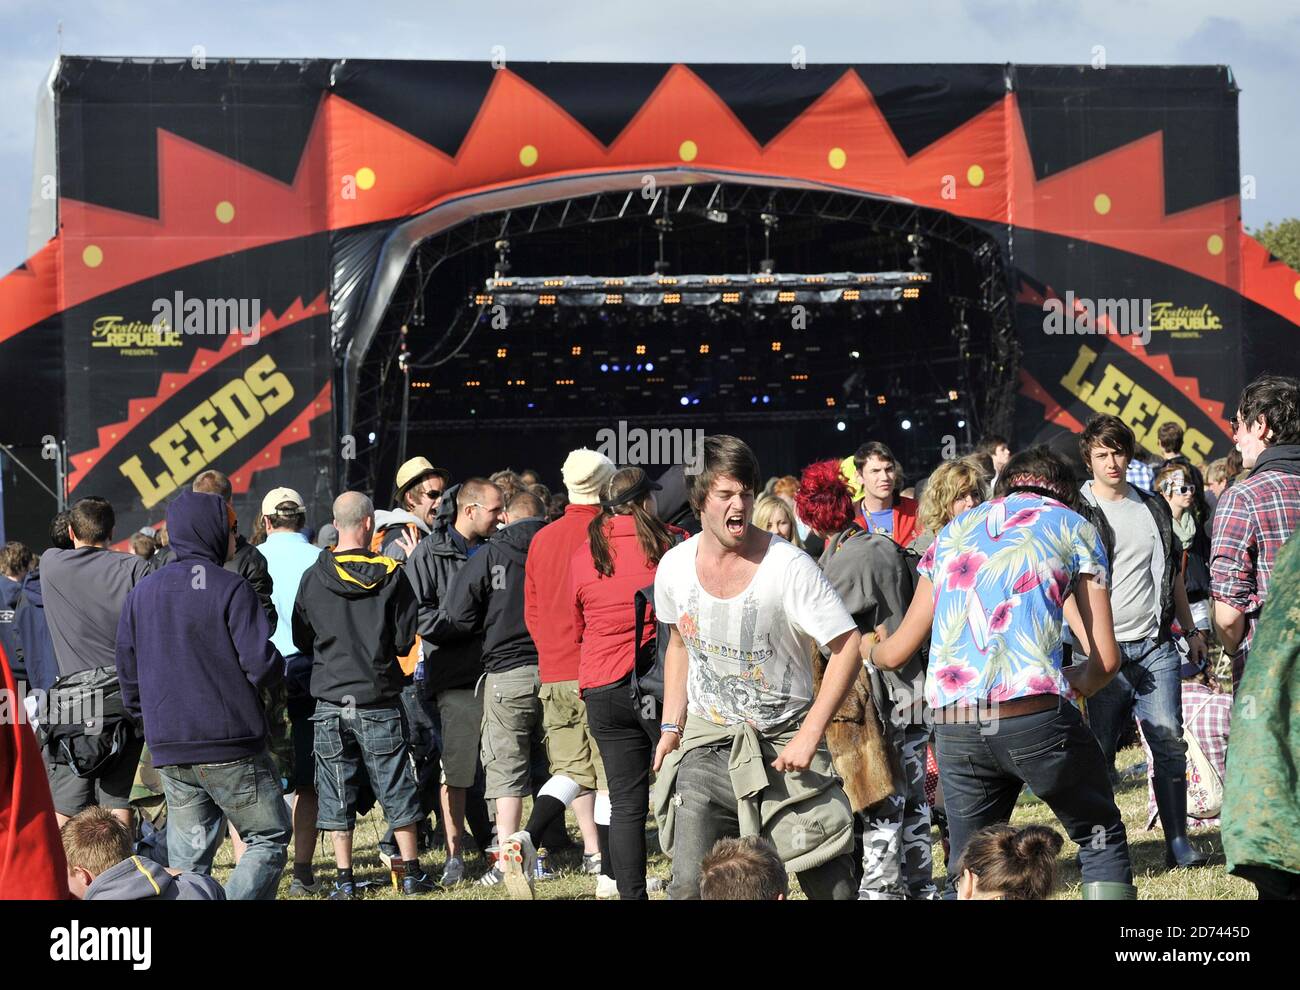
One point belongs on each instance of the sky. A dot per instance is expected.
(1259, 40)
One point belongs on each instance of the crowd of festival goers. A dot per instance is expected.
(807, 676)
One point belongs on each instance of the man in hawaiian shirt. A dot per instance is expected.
(994, 586)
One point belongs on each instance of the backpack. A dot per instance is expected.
(648, 670)
(409, 661)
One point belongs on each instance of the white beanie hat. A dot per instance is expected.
(585, 473)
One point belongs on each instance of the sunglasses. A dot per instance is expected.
(1182, 490)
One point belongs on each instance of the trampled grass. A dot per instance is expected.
(1153, 881)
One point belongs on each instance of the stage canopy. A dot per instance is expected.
(288, 196)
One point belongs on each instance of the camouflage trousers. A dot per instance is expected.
(896, 859)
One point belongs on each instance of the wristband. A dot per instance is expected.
(670, 727)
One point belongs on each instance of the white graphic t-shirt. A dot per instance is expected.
(750, 656)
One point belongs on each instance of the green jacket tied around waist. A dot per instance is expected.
(804, 813)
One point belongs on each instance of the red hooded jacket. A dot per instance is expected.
(604, 613)
(32, 865)
(905, 526)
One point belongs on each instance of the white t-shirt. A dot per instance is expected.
(751, 655)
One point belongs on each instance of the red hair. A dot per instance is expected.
(823, 500)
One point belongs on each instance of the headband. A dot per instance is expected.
(636, 492)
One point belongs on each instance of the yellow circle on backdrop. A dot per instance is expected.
(1215, 244)
(93, 256)
(1101, 204)
(225, 211)
(975, 175)
(837, 158)
(365, 177)
(688, 151)
(528, 156)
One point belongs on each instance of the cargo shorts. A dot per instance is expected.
(570, 746)
(512, 727)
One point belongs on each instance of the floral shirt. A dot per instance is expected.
(1001, 572)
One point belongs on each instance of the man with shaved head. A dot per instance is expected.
(355, 614)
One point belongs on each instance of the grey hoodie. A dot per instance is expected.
(84, 591)
(140, 879)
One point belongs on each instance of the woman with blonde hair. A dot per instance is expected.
(773, 513)
(954, 487)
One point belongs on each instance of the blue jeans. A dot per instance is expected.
(201, 796)
(1147, 684)
(984, 763)
(362, 745)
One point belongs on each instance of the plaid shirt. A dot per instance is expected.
(1251, 522)
(1207, 717)
(1140, 474)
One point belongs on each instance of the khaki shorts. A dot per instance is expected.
(570, 746)
(461, 711)
(512, 726)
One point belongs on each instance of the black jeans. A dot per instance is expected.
(626, 729)
(984, 764)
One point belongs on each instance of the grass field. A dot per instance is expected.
(1154, 882)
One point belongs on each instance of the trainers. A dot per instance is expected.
(418, 883)
(607, 888)
(345, 892)
(591, 863)
(300, 889)
(518, 863)
(492, 878)
(454, 872)
(541, 871)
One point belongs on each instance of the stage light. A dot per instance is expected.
(753, 400)
(546, 299)
(614, 367)
(880, 400)
(704, 348)
(576, 350)
(686, 400)
(640, 348)
(372, 437)
(830, 402)
(671, 298)
(649, 366)
(766, 399)
(952, 395)
(776, 345)
(501, 352)
(911, 293)
(639, 367)
(731, 297)
(531, 405)
(855, 355)
(961, 424)
(695, 402)
(906, 424)
(604, 367)
(840, 426)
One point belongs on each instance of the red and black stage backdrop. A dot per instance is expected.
(192, 196)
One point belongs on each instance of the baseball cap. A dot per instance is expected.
(278, 496)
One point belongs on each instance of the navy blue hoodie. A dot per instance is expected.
(34, 635)
(193, 646)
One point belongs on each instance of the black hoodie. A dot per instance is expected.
(452, 658)
(356, 613)
(1284, 457)
(487, 597)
